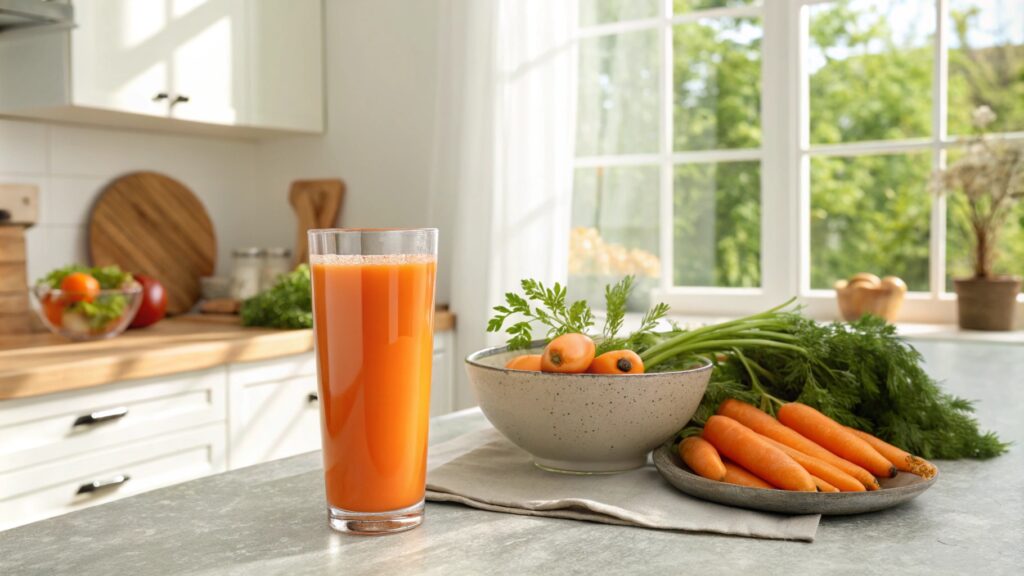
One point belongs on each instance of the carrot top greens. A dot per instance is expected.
(552, 312)
(861, 374)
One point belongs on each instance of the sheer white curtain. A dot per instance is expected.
(502, 183)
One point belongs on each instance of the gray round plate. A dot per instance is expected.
(895, 491)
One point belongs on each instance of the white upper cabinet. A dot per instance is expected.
(286, 47)
(208, 65)
(119, 56)
(222, 66)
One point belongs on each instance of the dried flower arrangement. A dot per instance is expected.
(991, 177)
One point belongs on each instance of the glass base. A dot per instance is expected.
(375, 523)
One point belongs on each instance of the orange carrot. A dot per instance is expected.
(528, 362)
(748, 449)
(617, 362)
(702, 458)
(901, 459)
(835, 438)
(823, 486)
(817, 467)
(568, 353)
(736, 474)
(762, 423)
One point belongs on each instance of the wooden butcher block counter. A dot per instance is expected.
(36, 364)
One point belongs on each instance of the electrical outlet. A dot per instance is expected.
(19, 204)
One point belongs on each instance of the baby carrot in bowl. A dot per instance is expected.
(528, 362)
(617, 362)
(570, 353)
(702, 458)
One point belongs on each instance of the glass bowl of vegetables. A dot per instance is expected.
(82, 303)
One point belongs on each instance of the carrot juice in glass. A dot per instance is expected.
(373, 316)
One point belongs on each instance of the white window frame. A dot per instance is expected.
(784, 155)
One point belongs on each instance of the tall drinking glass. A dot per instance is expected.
(373, 316)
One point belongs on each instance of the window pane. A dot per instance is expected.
(1009, 257)
(870, 63)
(604, 11)
(618, 94)
(986, 63)
(680, 6)
(870, 214)
(717, 84)
(717, 224)
(614, 231)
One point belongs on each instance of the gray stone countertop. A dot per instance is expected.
(270, 519)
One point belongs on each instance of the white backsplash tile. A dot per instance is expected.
(22, 147)
(53, 246)
(65, 245)
(72, 164)
(80, 151)
(69, 200)
(36, 240)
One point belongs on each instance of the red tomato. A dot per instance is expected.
(53, 309)
(154, 302)
(79, 286)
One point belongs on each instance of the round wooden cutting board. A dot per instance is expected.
(151, 224)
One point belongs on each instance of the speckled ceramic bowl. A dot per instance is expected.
(584, 423)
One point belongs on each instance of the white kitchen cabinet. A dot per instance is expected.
(91, 478)
(52, 427)
(285, 47)
(209, 65)
(234, 67)
(272, 409)
(127, 438)
(442, 382)
(118, 56)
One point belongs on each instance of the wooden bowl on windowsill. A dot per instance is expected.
(865, 293)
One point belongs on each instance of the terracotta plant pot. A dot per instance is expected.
(987, 303)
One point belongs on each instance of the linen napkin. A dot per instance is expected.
(484, 470)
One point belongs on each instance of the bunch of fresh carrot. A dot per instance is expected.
(803, 450)
(574, 353)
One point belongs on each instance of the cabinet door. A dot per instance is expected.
(119, 51)
(441, 375)
(91, 478)
(55, 427)
(273, 410)
(285, 49)
(208, 64)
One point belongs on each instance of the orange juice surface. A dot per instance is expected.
(374, 319)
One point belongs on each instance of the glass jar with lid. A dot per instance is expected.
(246, 271)
(276, 262)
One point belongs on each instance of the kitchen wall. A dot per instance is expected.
(381, 66)
(72, 164)
(381, 108)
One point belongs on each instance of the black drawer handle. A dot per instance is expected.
(97, 485)
(313, 397)
(101, 416)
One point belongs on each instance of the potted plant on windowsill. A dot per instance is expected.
(991, 178)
